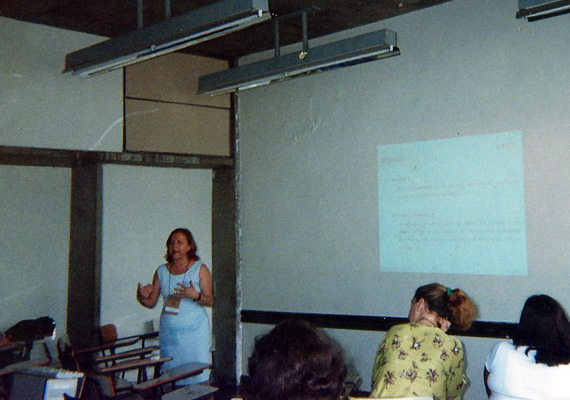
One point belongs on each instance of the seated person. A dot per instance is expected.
(9, 354)
(4, 340)
(419, 359)
(295, 361)
(536, 365)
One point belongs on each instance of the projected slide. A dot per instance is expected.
(453, 206)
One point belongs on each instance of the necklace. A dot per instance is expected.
(170, 275)
(172, 267)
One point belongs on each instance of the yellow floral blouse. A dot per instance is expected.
(415, 360)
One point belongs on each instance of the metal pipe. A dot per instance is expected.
(305, 35)
(276, 32)
(139, 14)
(167, 11)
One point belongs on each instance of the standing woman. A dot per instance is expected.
(419, 359)
(185, 284)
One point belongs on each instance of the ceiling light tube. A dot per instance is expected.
(363, 48)
(170, 35)
(539, 9)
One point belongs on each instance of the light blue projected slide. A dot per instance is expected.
(453, 206)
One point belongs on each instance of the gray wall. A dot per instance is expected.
(308, 167)
(42, 108)
(141, 206)
(34, 244)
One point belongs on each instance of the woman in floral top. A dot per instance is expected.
(419, 358)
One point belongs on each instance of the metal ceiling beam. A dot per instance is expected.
(170, 35)
(538, 9)
(363, 48)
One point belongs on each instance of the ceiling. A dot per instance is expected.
(113, 18)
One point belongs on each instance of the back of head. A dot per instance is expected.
(295, 361)
(451, 304)
(544, 326)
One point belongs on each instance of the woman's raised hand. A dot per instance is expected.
(189, 292)
(145, 291)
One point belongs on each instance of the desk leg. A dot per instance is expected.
(157, 368)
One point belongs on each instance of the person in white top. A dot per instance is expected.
(536, 366)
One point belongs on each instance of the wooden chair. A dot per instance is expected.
(116, 355)
(192, 392)
(12, 352)
(90, 360)
(105, 387)
(170, 377)
(141, 365)
(65, 354)
(108, 334)
(352, 386)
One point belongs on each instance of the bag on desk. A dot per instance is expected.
(30, 329)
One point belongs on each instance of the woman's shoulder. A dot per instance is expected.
(408, 330)
(196, 265)
(399, 328)
(421, 329)
(509, 346)
(506, 352)
(161, 269)
(449, 341)
(501, 346)
(411, 327)
(505, 347)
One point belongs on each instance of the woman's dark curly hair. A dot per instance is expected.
(544, 327)
(295, 361)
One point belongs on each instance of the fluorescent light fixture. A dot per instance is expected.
(367, 47)
(170, 35)
(538, 9)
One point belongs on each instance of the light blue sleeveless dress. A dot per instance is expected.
(186, 336)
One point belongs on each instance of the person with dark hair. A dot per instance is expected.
(295, 361)
(536, 365)
(4, 341)
(419, 359)
(185, 284)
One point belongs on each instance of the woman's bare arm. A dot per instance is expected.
(148, 295)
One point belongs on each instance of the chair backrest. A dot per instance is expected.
(64, 354)
(105, 387)
(108, 333)
(101, 386)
